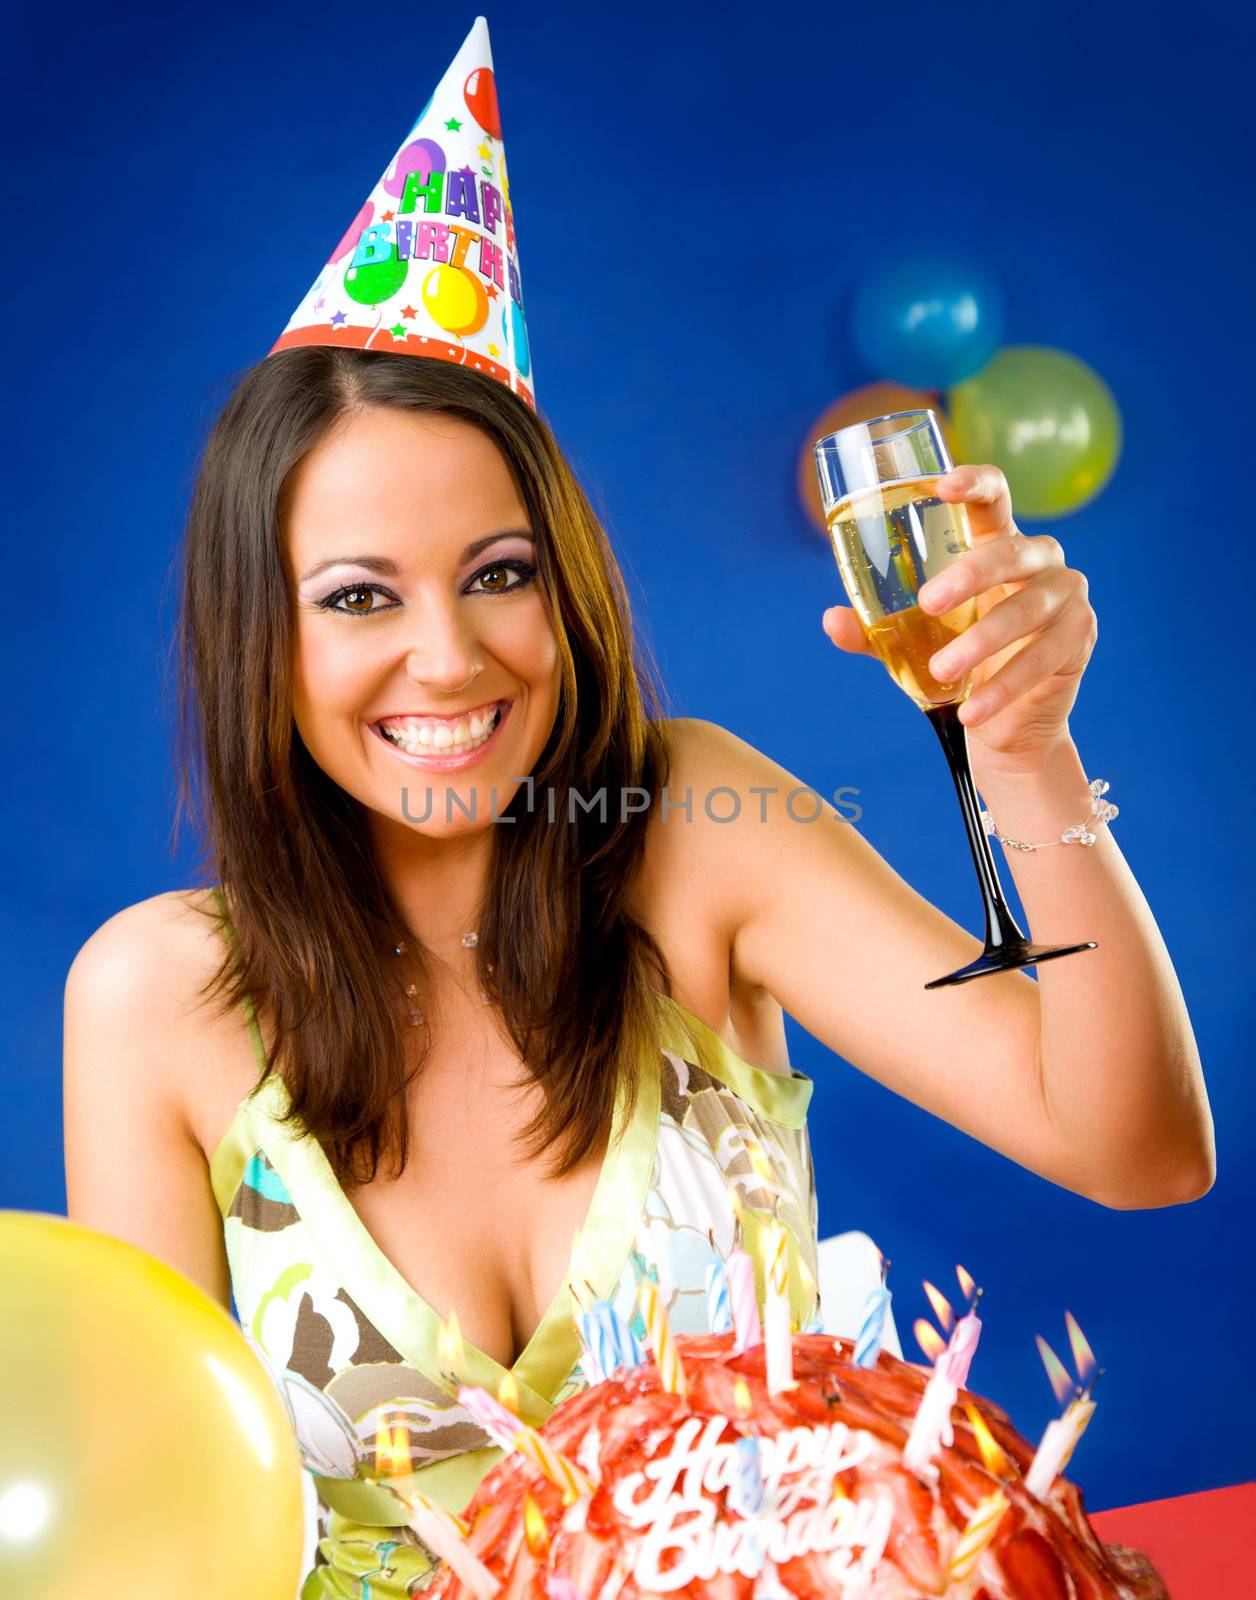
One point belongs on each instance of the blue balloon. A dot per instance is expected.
(929, 321)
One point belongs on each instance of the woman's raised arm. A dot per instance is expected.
(1089, 1076)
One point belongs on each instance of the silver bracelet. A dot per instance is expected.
(1079, 833)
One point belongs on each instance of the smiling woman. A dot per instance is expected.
(415, 576)
(454, 1031)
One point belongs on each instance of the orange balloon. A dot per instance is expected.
(860, 405)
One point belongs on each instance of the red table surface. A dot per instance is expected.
(1202, 1545)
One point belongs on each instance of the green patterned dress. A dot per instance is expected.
(351, 1346)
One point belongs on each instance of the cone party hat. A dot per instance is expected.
(429, 266)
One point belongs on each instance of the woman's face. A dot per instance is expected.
(425, 660)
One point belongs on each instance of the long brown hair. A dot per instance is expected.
(314, 920)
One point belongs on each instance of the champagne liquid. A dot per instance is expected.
(888, 542)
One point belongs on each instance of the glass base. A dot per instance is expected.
(1007, 957)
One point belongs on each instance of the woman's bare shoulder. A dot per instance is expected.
(145, 970)
(166, 937)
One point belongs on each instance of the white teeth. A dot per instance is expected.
(466, 734)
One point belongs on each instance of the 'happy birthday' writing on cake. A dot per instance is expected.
(672, 1500)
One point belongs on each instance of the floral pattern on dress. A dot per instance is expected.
(340, 1378)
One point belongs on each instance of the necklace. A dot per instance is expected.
(413, 1014)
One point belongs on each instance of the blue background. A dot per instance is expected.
(696, 201)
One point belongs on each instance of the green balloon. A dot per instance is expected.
(1046, 419)
(376, 280)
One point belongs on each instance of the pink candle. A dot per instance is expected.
(745, 1300)
(958, 1355)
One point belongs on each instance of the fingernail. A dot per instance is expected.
(943, 663)
(935, 595)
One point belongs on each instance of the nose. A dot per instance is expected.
(443, 652)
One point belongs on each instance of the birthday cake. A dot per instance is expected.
(736, 1488)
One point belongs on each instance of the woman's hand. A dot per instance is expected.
(1033, 637)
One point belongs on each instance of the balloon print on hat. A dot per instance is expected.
(354, 233)
(455, 299)
(423, 156)
(928, 321)
(480, 93)
(515, 333)
(375, 281)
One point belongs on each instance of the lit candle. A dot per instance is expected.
(1058, 1443)
(872, 1327)
(511, 1433)
(958, 1354)
(438, 1530)
(979, 1530)
(963, 1341)
(776, 1330)
(662, 1342)
(931, 1426)
(441, 1530)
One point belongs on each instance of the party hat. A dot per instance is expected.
(429, 266)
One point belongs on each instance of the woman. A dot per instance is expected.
(490, 1011)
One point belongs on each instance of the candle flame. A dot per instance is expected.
(991, 1453)
(968, 1285)
(941, 1307)
(928, 1338)
(449, 1345)
(392, 1449)
(508, 1392)
(741, 1395)
(840, 1491)
(807, 1276)
(1061, 1384)
(535, 1532)
(1083, 1355)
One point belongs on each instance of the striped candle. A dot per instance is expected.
(719, 1306)
(510, 1433)
(1057, 1445)
(777, 1338)
(593, 1354)
(979, 1530)
(662, 1342)
(441, 1531)
(872, 1328)
(620, 1345)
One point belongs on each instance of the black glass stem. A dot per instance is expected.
(1006, 946)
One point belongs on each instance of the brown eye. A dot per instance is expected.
(357, 592)
(524, 573)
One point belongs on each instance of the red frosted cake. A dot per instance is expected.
(837, 1512)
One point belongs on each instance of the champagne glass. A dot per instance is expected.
(890, 533)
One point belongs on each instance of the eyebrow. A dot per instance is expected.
(388, 568)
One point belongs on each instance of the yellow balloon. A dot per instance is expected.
(145, 1452)
(1047, 419)
(456, 299)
